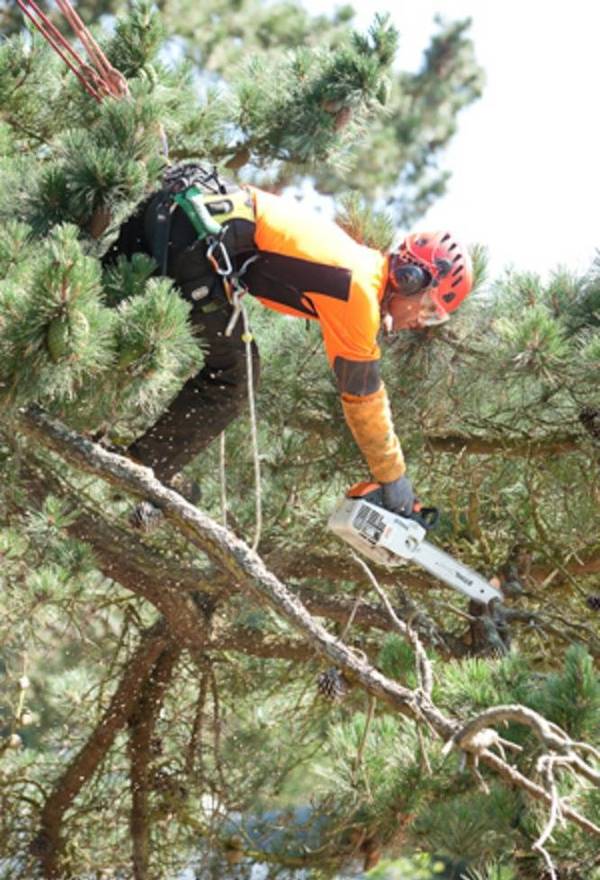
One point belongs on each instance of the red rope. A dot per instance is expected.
(99, 78)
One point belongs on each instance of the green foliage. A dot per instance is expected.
(420, 867)
(127, 278)
(397, 659)
(470, 684)
(479, 257)
(137, 39)
(27, 67)
(496, 871)
(590, 352)
(365, 224)
(16, 248)
(571, 698)
(384, 756)
(54, 336)
(578, 299)
(395, 163)
(58, 339)
(292, 107)
(536, 341)
(152, 334)
(101, 168)
(475, 826)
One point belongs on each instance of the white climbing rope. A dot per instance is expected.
(247, 338)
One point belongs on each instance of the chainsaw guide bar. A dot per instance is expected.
(393, 540)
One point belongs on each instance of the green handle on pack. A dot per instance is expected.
(192, 203)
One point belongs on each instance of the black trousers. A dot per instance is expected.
(209, 401)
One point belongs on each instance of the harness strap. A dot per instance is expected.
(161, 233)
(209, 213)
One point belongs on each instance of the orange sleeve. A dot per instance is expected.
(370, 420)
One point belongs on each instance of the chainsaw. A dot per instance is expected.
(390, 539)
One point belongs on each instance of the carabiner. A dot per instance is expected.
(228, 270)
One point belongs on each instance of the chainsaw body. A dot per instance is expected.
(392, 540)
(375, 532)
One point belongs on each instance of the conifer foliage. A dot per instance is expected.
(161, 694)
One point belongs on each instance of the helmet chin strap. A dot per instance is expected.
(386, 318)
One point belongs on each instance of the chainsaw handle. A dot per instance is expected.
(427, 517)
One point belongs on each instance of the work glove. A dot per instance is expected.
(398, 496)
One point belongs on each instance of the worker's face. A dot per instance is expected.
(414, 312)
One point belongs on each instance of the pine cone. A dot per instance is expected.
(590, 419)
(332, 685)
(593, 602)
(145, 516)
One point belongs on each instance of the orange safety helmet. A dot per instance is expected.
(432, 261)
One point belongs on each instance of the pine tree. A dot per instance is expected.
(160, 698)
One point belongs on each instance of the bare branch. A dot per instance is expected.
(424, 670)
(507, 447)
(142, 724)
(248, 573)
(49, 843)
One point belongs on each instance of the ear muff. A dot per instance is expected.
(410, 279)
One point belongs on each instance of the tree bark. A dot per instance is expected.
(142, 725)
(49, 843)
(249, 575)
(508, 447)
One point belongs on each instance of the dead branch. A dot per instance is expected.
(551, 736)
(477, 737)
(195, 745)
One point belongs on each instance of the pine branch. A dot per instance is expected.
(251, 576)
(49, 844)
(506, 447)
(227, 552)
(186, 597)
(369, 616)
(178, 593)
(142, 724)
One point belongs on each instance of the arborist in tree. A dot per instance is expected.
(217, 240)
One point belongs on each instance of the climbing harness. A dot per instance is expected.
(206, 200)
(98, 77)
(209, 205)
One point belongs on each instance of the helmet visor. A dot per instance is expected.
(415, 312)
(431, 313)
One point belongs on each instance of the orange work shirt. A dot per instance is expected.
(310, 268)
(307, 266)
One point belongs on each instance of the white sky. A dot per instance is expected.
(525, 161)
